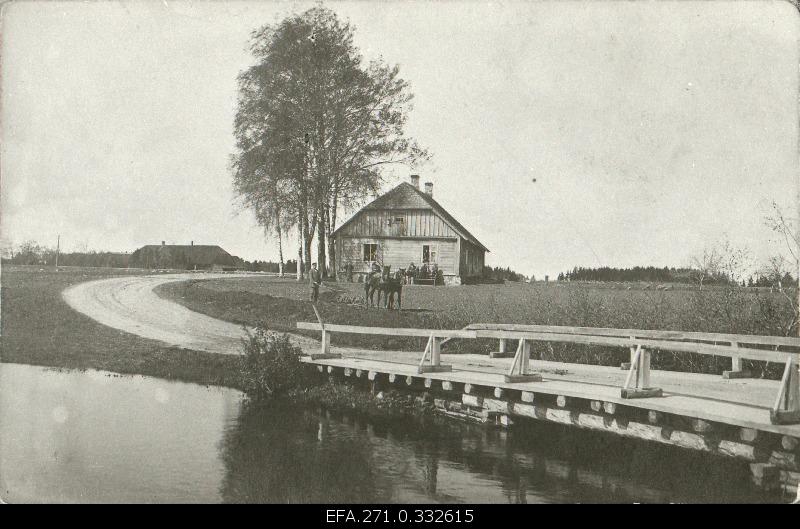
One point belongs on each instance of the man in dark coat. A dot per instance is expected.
(315, 282)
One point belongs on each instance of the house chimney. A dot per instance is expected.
(429, 188)
(415, 180)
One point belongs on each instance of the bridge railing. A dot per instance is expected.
(640, 342)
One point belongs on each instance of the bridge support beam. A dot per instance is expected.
(325, 346)
(787, 406)
(637, 384)
(737, 371)
(433, 351)
(519, 371)
(501, 352)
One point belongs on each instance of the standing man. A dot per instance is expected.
(410, 273)
(315, 282)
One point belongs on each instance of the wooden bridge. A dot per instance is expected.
(733, 415)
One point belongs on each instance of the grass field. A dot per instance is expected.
(281, 303)
(39, 328)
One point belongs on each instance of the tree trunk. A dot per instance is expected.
(332, 256)
(330, 226)
(280, 249)
(299, 249)
(321, 259)
(308, 237)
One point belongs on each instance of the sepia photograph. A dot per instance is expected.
(400, 261)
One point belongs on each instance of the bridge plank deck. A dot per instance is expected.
(743, 402)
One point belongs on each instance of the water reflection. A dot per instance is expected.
(97, 437)
(317, 456)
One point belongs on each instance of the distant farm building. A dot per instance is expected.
(183, 257)
(406, 225)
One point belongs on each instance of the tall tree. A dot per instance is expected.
(315, 127)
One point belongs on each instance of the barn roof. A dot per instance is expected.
(199, 254)
(406, 196)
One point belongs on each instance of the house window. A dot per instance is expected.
(397, 225)
(428, 253)
(370, 252)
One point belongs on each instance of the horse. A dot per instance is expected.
(372, 283)
(391, 285)
(384, 284)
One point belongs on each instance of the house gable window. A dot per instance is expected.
(370, 252)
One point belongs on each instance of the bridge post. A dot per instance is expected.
(501, 352)
(519, 367)
(637, 384)
(325, 345)
(433, 350)
(787, 406)
(736, 367)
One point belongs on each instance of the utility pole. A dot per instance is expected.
(58, 249)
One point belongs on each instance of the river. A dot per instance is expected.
(93, 436)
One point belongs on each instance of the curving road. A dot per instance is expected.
(129, 304)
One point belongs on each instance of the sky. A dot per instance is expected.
(563, 133)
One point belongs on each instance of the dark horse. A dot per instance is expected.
(386, 284)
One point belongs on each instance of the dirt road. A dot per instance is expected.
(131, 305)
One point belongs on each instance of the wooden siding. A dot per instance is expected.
(399, 223)
(397, 253)
(471, 259)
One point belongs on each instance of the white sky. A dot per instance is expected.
(651, 128)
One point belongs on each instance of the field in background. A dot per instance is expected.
(281, 303)
(37, 327)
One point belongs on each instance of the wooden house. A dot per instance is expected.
(404, 226)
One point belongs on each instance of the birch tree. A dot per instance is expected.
(315, 127)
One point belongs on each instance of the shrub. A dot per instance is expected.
(270, 365)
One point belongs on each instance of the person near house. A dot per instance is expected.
(315, 282)
(425, 272)
(411, 271)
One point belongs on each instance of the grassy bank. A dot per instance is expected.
(39, 328)
(281, 303)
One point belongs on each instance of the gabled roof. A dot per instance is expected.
(406, 196)
(200, 254)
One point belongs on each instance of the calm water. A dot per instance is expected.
(69, 436)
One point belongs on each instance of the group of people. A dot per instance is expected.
(410, 275)
(426, 271)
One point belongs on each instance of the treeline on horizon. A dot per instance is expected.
(32, 253)
(653, 274)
